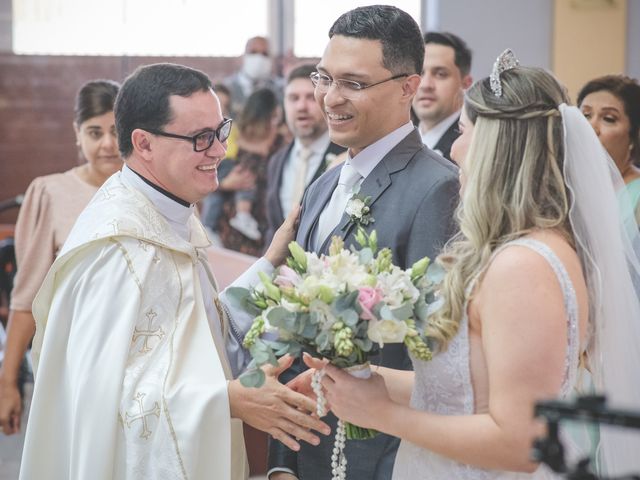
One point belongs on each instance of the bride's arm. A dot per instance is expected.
(524, 335)
(399, 383)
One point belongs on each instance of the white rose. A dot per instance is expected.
(354, 208)
(387, 331)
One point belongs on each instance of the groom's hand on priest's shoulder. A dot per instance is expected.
(276, 409)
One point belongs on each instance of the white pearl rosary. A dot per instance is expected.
(338, 458)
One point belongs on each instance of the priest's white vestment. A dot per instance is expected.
(131, 376)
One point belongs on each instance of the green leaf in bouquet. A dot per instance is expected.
(241, 298)
(365, 256)
(299, 256)
(262, 353)
(323, 340)
(315, 317)
(419, 268)
(279, 348)
(294, 349)
(309, 330)
(421, 309)
(271, 290)
(364, 344)
(373, 241)
(385, 313)
(280, 317)
(344, 302)
(252, 378)
(349, 317)
(361, 237)
(403, 312)
(435, 273)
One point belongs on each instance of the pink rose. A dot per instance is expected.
(368, 297)
(287, 277)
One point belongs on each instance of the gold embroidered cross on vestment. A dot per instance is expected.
(158, 332)
(142, 415)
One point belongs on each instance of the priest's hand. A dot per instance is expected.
(278, 251)
(273, 408)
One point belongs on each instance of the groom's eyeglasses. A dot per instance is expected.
(347, 88)
(202, 141)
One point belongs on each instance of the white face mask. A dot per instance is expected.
(256, 66)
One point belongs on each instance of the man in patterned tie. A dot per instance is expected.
(298, 164)
(365, 83)
(135, 353)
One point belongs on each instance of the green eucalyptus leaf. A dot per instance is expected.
(386, 313)
(349, 317)
(278, 316)
(252, 378)
(403, 312)
(435, 273)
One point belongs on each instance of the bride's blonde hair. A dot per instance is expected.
(515, 182)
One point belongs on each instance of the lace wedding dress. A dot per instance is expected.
(443, 386)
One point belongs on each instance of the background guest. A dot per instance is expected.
(612, 106)
(51, 205)
(243, 221)
(299, 163)
(445, 77)
(256, 72)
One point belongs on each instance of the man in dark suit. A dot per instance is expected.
(365, 83)
(297, 165)
(445, 77)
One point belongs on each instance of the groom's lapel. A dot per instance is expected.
(380, 177)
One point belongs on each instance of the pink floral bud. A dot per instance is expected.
(287, 277)
(368, 297)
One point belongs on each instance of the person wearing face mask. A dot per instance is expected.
(51, 205)
(256, 72)
(612, 106)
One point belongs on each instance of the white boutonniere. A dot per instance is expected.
(359, 209)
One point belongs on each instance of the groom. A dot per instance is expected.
(365, 83)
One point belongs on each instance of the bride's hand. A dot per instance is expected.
(358, 401)
(302, 383)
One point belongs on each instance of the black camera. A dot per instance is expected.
(589, 409)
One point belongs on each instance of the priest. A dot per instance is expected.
(135, 352)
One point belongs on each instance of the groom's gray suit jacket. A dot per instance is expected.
(414, 192)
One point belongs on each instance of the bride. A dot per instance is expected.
(538, 288)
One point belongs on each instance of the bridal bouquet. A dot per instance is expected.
(341, 306)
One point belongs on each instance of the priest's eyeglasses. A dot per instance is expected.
(202, 141)
(346, 88)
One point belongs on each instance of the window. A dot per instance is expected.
(136, 27)
(313, 20)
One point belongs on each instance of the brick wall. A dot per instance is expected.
(36, 110)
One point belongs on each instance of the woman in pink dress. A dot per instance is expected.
(51, 205)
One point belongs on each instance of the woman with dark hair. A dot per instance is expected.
(51, 205)
(612, 106)
(244, 218)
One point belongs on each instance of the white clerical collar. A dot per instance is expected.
(317, 147)
(433, 136)
(365, 161)
(175, 213)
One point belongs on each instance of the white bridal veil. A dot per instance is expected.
(608, 243)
